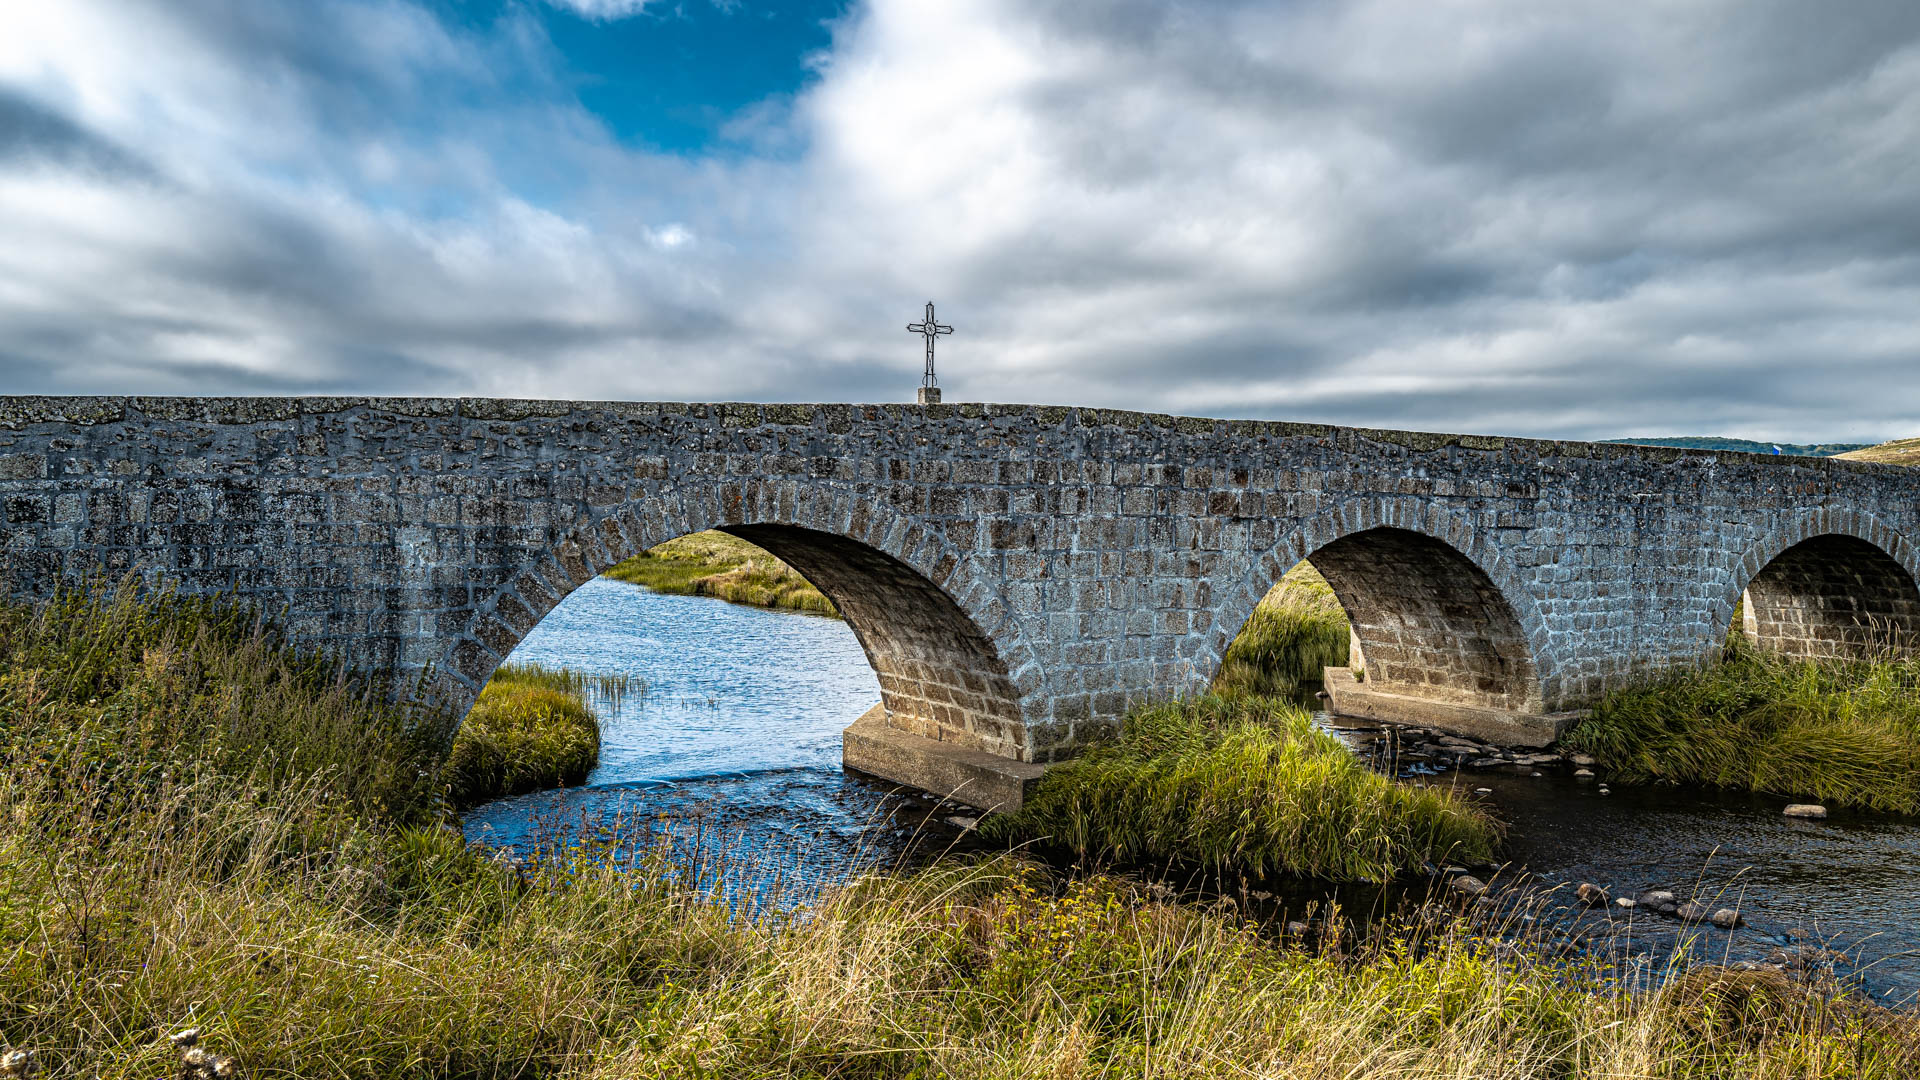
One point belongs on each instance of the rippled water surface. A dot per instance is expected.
(737, 741)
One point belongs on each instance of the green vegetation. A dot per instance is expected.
(721, 565)
(1750, 446)
(531, 729)
(198, 828)
(1842, 732)
(1297, 630)
(1897, 452)
(1244, 786)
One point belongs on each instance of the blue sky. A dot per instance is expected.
(1590, 218)
(671, 76)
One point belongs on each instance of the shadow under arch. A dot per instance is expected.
(1431, 624)
(942, 676)
(1825, 591)
(1437, 615)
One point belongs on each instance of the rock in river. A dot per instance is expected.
(1591, 895)
(1468, 885)
(1806, 810)
(1727, 918)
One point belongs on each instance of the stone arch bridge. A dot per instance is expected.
(1016, 574)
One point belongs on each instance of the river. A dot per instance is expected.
(736, 742)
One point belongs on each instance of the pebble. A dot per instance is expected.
(963, 822)
(1591, 895)
(1585, 761)
(1806, 810)
(1486, 762)
(1483, 791)
(1468, 884)
(1583, 774)
(1692, 911)
(1624, 901)
(1727, 918)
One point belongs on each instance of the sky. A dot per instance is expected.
(1577, 219)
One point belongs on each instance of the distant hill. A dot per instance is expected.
(1710, 442)
(1897, 452)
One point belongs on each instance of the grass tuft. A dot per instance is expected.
(1247, 786)
(720, 565)
(530, 729)
(1844, 732)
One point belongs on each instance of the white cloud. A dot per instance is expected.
(604, 10)
(1482, 214)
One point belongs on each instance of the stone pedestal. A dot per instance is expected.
(929, 395)
(974, 777)
(1348, 696)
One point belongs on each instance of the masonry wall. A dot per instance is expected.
(1018, 574)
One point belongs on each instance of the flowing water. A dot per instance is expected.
(736, 742)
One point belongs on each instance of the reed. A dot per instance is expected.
(1845, 732)
(726, 567)
(1295, 633)
(1243, 786)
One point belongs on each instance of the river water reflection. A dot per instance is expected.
(738, 732)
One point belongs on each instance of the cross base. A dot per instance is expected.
(929, 395)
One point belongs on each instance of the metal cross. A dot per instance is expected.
(929, 330)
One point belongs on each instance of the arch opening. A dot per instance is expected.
(1428, 622)
(940, 677)
(1831, 596)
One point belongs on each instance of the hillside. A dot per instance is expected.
(1713, 442)
(1897, 452)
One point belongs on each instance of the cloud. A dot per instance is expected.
(1492, 215)
(601, 10)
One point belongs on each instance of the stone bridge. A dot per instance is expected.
(1016, 574)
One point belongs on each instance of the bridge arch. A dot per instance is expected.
(1826, 584)
(950, 664)
(1437, 613)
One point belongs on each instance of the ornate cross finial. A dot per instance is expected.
(929, 389)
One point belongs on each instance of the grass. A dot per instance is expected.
(724, 566)
(200, 828)
(1244, 786)
(1897, 452)
(530, 729)
(1841, 732)
(1297, 630)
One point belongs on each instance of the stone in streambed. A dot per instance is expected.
(1468, 885)
(1806, 810)
(1591, 895)
(1692, 911)
(1727, 918)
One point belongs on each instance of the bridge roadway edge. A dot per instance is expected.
(1109, 554)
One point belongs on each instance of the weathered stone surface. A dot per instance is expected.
(1017, 574)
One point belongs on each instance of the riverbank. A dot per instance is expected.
(1841, 732)
(723, 566)
(1297, 631)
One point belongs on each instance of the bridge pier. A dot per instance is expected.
(1348, 696)
(977, 778)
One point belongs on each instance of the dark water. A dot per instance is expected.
(736, 744)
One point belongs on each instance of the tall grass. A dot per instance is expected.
(1246, 786)
(1842, 731)
(168, 859)
(104, 683)
(530, 729)
(720, 565)
(1295, 633)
